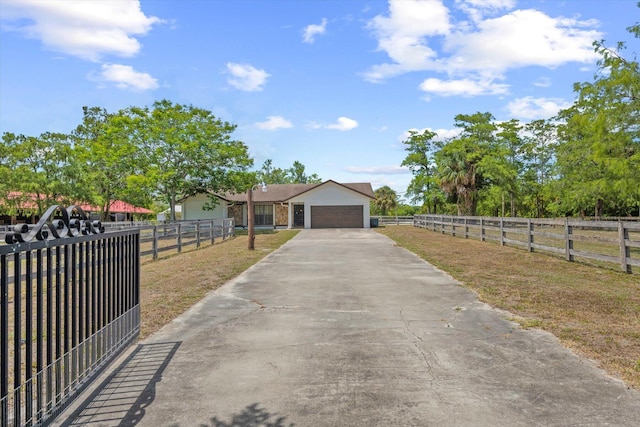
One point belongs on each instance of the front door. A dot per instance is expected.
(298, 215)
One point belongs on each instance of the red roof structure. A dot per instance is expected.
(118, 206)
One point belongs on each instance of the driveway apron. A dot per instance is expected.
(344, 328)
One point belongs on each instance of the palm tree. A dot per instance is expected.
(385, 200)
(458, 178)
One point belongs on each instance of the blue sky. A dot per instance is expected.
(333, 84)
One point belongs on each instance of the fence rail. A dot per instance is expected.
(394, 220)
(603, 241)
(175, 236)
(70, 304)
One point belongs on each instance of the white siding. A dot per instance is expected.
(193, 208)
(332, 194)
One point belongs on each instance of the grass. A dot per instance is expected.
(172, 284)
(593, 310)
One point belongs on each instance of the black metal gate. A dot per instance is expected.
(69, 300)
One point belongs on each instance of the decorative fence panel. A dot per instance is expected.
(69, 297)
(603, 241)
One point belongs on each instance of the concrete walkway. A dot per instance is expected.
(343, 328)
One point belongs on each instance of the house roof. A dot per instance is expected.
(283, 192)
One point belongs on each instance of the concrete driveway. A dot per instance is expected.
(343, 328)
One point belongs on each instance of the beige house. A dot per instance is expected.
(326, 205)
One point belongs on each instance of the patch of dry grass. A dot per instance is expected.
(172, 284)
(594, 311)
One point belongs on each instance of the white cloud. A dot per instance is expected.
(378, 170)
(86, 29)
(274, 123)
(536, 108)
(421, 35)
(343, 124)
(402, 35)
(542, 82)
(246, 77)
(313, 125)
(463, 87)
(519, 39)
(125, 77)
(311, 31)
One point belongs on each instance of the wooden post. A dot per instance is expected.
(250, 226)
(501, 231)
(453, 226)
(466, 228)
(481, 229)
(529, 235)
(213, 233)
(155, 242)
(625, 251)
(198, 234)
(179, 237)
(568, 244)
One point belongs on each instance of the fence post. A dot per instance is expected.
(529, 235)
(155, 242)
(213, 232)
(501, 231)
(481, 229)
(453, 226)
(466, 228)
(568, 244)
(198, 234)
(625, 251)
(179, 237)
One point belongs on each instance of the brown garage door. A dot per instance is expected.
(336, 216)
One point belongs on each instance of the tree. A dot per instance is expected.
(538, 154)
(598, 155)
(108, 157)
(271, 175)
(40, 169)
(187, 150)
(423, 188)
(385, 200)
(462, 161)
(508, 169)
(298, 175)
(293, 175)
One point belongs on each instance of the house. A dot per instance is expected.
(326, 205)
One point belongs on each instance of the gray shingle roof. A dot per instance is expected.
(282, 192)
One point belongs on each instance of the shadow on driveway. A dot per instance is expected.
(122, 399)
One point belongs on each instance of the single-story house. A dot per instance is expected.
(326, 205)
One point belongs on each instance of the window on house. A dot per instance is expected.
(263, 214)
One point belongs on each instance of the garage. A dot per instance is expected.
(349, 216)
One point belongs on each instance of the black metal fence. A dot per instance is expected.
(69, 298)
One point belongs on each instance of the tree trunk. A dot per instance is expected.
(513, 205)
(599, 208)
(172, 207)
